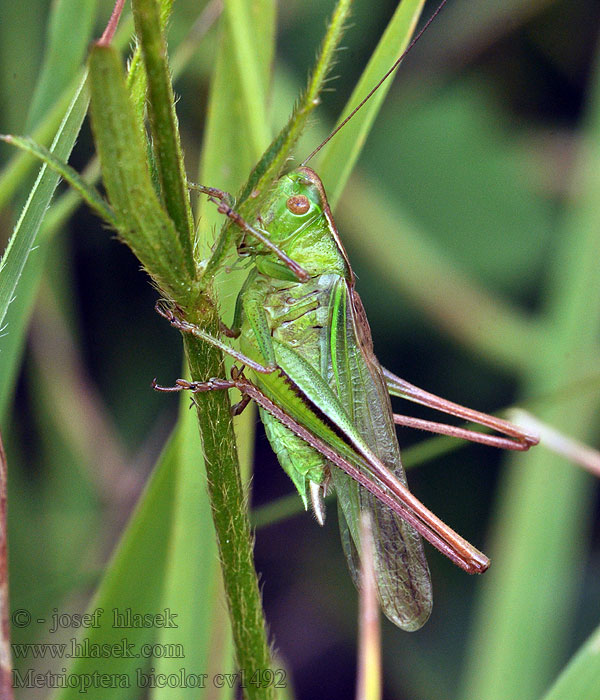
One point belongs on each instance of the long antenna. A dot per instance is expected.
(380, 83)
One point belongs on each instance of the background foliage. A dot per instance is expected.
(473, 227)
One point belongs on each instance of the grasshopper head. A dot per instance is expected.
(298, 220)
(296, 201)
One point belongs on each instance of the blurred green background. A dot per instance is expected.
(473, 225)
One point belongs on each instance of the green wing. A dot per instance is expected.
(356, 378)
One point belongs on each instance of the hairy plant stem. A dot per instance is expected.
(228, 504)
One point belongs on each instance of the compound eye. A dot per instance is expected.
(298, 204)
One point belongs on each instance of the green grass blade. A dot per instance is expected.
(58, 113)
(65, 53)
(25, 232)
(250, 72)
(14, 172)
(87, 192)
(12, 175)
(135, 578)
(21, 54)
(229, 149)
(580, 680)
(342, 152)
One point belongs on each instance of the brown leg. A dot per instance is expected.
(517, 438)
(224, 202)
(186, 327)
